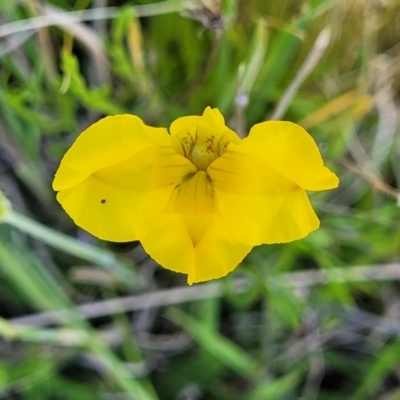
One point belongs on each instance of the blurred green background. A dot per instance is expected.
(314, 319)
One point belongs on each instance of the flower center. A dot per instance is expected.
(203, 152)
(201, 148)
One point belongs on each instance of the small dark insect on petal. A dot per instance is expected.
(102, 201)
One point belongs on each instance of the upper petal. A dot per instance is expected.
(289, 150)
(212, 123)
(183, 123)
(109, 141)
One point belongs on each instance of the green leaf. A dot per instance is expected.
(377, 371)
(277, 388)
(5, 206)
(228, 353)
(284, 303)
(95, 99)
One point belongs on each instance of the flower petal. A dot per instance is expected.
(197, 245)
(290, 151)
(193, 196)
(183, 124)
(218, 253)
(107, 142)
(237, 171)
(268, 218)
(168, 242)
(111, 212)
(294, 220)
(212, 123)
(153, 168)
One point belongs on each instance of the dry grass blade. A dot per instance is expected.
(375, 181)
(316, 52)
(89, 38)
(335, 106)
(95, 14)
(15, 42)
(185, 294)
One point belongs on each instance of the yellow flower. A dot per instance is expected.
(198, 198)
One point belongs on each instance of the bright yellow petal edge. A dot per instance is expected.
(200, 198)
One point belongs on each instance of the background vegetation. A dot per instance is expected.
(313, 319)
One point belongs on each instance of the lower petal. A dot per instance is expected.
(116, 202)
(218, 253)
(268, 218)
(199, 246)
(168, 242)
(111, 212)
(193, 196)
(294, 220)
